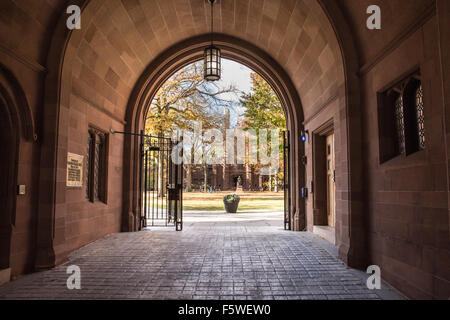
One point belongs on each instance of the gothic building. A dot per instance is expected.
(367, 108)
(226, 180)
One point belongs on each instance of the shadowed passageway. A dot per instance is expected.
(217, 256)
(365, 90)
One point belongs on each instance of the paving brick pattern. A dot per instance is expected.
(224, 258)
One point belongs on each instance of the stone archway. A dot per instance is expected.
(16, 123)
(173, 60)
(8, 142)
(93, 72)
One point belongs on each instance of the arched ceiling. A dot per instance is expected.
(119, 39)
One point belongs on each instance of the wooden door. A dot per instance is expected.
(331, 181)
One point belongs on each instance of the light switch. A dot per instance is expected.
(22, 190)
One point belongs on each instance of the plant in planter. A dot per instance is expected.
(231, 203)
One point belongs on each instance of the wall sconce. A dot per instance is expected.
(304, 193)
(305, 135)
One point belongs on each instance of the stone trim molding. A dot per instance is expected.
(29, 63)
(321, 109)
(12, 91)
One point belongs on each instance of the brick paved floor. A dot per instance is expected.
(217, 256)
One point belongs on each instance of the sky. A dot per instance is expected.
(236, 74)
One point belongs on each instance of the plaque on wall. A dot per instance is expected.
(74, 170)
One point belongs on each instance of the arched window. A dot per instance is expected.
(401, 119)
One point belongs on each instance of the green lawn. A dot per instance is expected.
(249, 201)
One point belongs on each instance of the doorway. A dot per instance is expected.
(324, 193)
(139, 107)
(220, 124)
(7, 172)
(331, 181)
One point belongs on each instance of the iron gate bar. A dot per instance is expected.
(156, 168)
(286, 178)
(145, 188)
(154, 185)
(140, 180)
(179, 190)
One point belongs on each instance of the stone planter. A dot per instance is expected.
(231, 203)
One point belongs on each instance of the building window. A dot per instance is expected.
(88, 167)
(400, 125)
(401, 119)
(420, 117)
(96, 165)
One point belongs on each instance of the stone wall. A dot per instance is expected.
(24, 43)
(394, 214)
(406, 198)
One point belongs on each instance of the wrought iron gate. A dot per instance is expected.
(161, 185)
(287, 172)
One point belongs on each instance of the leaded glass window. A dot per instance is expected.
(420, 117)
(96, 166)
(88, 166)
(400, 124)
(401, 118)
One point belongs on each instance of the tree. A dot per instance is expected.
(182, 100)
(263, 110)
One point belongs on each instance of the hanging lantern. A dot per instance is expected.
(212, 60)
(212, 64)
